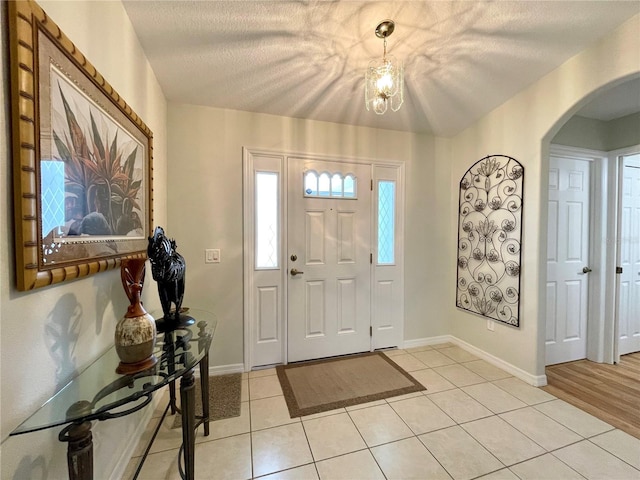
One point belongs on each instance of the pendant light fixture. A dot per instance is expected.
(384, 81)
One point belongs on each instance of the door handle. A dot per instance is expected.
(586, 270)
(295, 271)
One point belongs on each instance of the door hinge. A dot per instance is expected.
(618, 270)
(371, 258)
(370, 331)
(372, 184)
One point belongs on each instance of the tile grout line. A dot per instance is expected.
(568, 427)
(459, 424)
(366, 444)
(582, 438)
(422, 443)
(498, 415)
(415, 435)
(610, 453)
(533, 406)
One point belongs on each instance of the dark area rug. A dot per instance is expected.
(322, 385)
(224, 397)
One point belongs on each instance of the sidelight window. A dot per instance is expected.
(267, 220)
(386, 221)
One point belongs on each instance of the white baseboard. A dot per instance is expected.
(535, 380)
(226, 369)
(421, 342)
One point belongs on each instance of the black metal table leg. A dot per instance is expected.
(79, 450)
(172, 397)
(204, 387)
(169, 348)
(188, 407)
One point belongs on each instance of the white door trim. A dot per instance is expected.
(248, 154)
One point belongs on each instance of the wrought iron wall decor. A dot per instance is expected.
(489, 239)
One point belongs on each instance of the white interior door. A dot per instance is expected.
(629, 281)
(329, 246)
(567, 259)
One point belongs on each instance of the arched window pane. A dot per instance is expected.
(324, 185)
(349, 187)
(311, 183)
(327, 184)
(336, 185)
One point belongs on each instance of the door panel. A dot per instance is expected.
(315, 235)
(315, 302)
(567, 255)
(268, 326)
(346, 237)
(347, 300)
(329, 304)
(629, 281)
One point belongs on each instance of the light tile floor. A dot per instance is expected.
(473, 421)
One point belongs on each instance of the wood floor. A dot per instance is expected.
(609, 392)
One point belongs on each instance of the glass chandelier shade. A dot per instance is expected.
(384, 80)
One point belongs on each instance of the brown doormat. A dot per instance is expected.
(224, 398)
(322, 385)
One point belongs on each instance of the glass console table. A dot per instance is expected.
(99, 393)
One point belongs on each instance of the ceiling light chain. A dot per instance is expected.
(384, 81)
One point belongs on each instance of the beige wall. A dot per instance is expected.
(522, 128)
(600, 135)
(584, 133)
(623, 132)
(48, 335)
(205, 207)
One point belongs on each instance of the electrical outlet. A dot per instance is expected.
(212, 255)
(490, 325)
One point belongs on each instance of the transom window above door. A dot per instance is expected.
(326, 184)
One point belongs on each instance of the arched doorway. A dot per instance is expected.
(610, 105)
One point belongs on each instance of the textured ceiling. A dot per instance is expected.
(307, 59)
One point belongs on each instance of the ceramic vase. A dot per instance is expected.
(135, 335)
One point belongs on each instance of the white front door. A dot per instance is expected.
(329, 245)
(567, 259)
(629, 306)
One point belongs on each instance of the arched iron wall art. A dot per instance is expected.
(489, 239)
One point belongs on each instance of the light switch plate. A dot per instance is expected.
(212, 255)
(490, 325)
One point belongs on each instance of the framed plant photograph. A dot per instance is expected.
(82, 159)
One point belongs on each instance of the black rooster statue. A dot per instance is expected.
(168, 269)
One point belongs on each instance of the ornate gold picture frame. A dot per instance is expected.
(82, 159)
